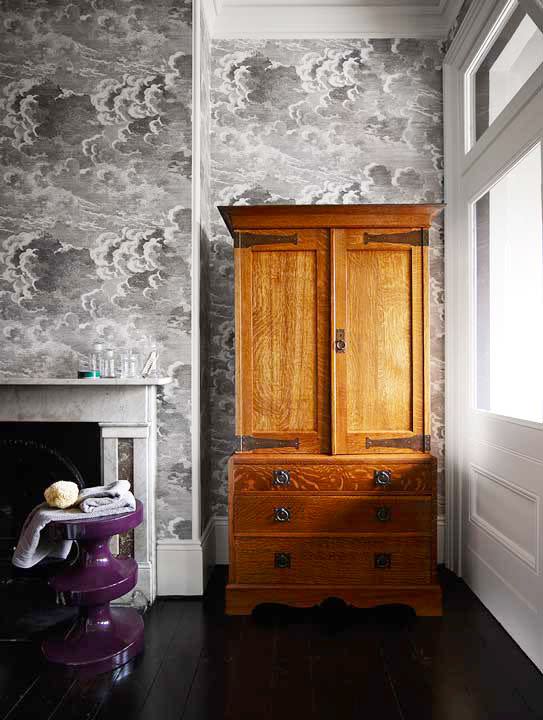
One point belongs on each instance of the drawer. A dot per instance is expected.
(414, 478)
(283, 512)
(331, 561)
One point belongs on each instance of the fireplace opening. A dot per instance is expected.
(33, 456)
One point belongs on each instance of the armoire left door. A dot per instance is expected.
(283, 341)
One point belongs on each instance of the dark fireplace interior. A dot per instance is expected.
(34, 455)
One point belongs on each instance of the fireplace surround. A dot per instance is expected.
(123, 410)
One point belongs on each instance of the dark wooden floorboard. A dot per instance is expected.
(85, 697)
(253, 674)
(216, 682)
(465, 673)
(401, 666)
(287, 664)
(292, 673)
(349, 677)
(129, 692)
(44, 695)
(441, 653)
(170, 690)
(20, 666)
(510, 660)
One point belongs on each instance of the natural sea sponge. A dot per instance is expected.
(62, 494)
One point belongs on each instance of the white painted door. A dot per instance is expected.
(495, 345)
(503, 473)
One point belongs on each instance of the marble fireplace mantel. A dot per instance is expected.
(123, 408)
(98, 382)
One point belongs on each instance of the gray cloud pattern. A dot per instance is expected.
(95, 135)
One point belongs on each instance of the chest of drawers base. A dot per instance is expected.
(242, 599)
(306, 529)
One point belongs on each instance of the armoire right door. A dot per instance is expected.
(380, 383)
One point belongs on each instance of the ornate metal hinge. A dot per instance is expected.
(414, 237)
(248, 442)
(245, 240)
(414, 442)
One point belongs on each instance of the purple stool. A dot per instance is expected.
(103, 637)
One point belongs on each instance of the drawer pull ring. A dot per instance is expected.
(383, 513)
(382, 478)
(382, 561)
(282, 560)
(281, 514)
(281, 478)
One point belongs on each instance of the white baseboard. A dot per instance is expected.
(183, 566)
(180, 568)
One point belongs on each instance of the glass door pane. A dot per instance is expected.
(515, 54)
(509, 293)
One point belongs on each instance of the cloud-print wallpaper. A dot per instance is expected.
(95, 240)
(319, 121)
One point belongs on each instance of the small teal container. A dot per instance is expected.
(88, 374)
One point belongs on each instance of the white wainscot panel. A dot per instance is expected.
(507, 512)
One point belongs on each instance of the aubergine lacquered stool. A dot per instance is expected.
(102, 638)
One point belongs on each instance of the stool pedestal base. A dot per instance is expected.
(102, 639)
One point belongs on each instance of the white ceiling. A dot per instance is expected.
(362, 3)
(263, 19)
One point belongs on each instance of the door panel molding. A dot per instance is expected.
(531, 559)
(509, 451)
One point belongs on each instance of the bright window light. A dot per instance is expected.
(509, 284)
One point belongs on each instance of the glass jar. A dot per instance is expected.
(97, 360)
(109, 364)
(133, 365)
(123, 360)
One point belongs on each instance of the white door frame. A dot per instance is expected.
(480, 18)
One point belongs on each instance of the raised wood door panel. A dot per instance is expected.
(282, 341)
(378, 389)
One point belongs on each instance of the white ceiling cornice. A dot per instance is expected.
(263, 19)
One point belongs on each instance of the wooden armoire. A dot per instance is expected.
(332, 490)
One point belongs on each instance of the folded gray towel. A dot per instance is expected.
(111, 496)
(35, 543)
